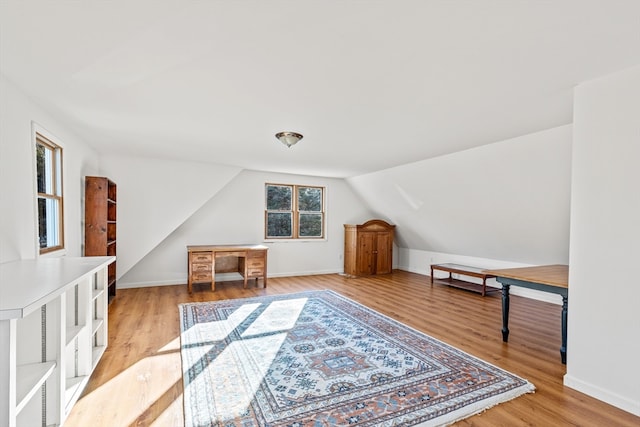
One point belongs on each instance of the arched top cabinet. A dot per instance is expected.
(368, 248)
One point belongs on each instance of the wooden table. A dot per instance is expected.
(464, 270)
(547, 278)
(205, 260)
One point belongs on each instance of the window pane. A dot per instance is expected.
(41, 168)
(48, 222)
(279, 198)
(279, 224)
(310, 199)
(310, 225)
(42, 221)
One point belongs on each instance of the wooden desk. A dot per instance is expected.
(204, 261)
(464, 270)
(547, 278)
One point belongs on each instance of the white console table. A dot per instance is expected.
(53, 332)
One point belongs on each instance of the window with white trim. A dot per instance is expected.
(49, 195)
(294, 212)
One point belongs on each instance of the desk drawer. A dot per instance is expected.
(256, 254)
(201, 257)
(201, 268)
(255, 272)
(255, 263)
(223, 254)
(201, 277)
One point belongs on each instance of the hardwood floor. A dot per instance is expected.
(138, 382)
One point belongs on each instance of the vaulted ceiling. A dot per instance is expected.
(370, 84)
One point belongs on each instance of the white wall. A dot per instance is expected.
(155, 197)
(507, 201)
(235, 215)
(603, 350)
(18, 232)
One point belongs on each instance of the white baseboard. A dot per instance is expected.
(225, 277)
(604, 395)
(220, 277)
(515, 290)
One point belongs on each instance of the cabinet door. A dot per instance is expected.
(366, 253)
(384, 256)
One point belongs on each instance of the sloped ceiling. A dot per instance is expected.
(370, 84)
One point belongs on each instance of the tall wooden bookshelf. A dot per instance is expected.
(100, 223)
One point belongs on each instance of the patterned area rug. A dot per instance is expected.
(320, 359)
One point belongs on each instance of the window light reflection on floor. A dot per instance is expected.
(240, 368)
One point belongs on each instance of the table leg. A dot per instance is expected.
(505, 312)
(563, 348)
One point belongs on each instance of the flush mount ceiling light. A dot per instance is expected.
(289, 138)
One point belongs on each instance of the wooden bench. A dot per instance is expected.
(464, 270)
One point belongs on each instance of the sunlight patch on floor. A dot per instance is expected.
(279, 316)
(218, 330)
(236, 373)
(139, 386)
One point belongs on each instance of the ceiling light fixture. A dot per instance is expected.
(289, 138)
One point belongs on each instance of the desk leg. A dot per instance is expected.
(505, 312)
(213, 271)
(563, 348)
(189, 274)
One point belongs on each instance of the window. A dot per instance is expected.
(49, 199)
(294, 212)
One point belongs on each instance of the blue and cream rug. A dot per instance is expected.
(320, 359)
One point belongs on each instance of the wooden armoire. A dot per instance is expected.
(368, 248)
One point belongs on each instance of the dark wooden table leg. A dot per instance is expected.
(505, 312)
(563, 348)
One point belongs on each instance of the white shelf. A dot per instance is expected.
(29, 379)
(96, 324)
(73, 332)
(96, 293)
(97, 353)
(46, 310)
(41, 281)
(73, 388)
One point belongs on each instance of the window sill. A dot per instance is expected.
(293, 240)
(53, 254)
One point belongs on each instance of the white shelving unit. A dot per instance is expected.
(53, 331)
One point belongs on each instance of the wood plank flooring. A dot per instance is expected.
(138, 382)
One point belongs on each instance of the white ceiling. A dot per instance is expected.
(370, 84)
